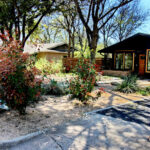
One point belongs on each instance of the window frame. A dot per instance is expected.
(124, 52)
(147, 51)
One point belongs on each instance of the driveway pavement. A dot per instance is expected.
(98, 131)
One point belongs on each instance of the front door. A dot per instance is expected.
(141, 64)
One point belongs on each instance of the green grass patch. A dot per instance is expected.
(144, 91)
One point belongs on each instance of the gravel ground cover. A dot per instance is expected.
(52, 111)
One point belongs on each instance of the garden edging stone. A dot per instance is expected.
(13, 142)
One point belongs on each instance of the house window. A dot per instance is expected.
(124, 61)
(119, 61)
(128, 61)
(148, 60)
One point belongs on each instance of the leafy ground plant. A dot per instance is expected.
(55, 88)
(19, 86)
(129, 85)
(144, 91)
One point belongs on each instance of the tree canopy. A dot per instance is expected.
(78, 22)
(22, 17)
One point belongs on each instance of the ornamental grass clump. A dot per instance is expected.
(83, 84)
(19, 85)
(129, 85)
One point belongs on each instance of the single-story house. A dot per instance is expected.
(49, 51)
(129, 55)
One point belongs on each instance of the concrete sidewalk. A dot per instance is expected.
(95, 132)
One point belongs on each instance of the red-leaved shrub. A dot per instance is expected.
(83, 84)
(19, 86)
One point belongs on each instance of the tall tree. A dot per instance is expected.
(107, 31)
(66, 19)
(92, 12)
(128, 19)
(81, 38)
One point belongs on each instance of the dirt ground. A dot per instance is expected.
(53, 111)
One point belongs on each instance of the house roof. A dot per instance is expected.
(52, 48)
(137, 42)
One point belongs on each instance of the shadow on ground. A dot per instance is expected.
(97, 132)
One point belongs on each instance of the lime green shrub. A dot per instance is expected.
(49, 67)
(43, 65)
(144, 91)
(57, 66)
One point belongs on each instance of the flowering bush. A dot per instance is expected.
(84, 83)
(17, 76)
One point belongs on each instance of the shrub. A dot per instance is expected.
(129, 85)
(57, 66)
(85, 80)
(144, 91)
(49, 67)
(19, 85)
(43, 65)
(55, 88)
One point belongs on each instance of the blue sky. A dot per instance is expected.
(145, 4)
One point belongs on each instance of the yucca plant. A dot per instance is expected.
(129, 85)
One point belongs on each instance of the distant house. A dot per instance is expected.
(130, 55)
(49, 51)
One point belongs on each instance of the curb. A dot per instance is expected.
(18, 140)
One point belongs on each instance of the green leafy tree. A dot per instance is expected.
(67, 20)
(22, 17)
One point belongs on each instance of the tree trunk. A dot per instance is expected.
(32, 30)
(93, 53)
(73, 46)
(69, 46)
(93, 46)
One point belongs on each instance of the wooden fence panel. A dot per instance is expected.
(70, 63)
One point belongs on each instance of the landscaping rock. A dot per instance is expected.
(3, 107)
(115, 83)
